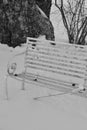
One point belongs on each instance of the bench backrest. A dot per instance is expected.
(54, 60)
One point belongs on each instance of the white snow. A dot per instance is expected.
(60, 31)
(21, 112)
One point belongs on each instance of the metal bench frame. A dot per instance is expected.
(41, 49)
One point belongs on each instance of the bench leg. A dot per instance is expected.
(82, 85)
(23, 83)
(6, 86)
(52, 95)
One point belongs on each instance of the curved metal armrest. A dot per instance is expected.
(11, 67)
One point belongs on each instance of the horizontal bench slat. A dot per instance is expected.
(58, 58)
(56, 44)
(54, 70)
(52, 75)
(56, 49)
(58, 61)
(33, 76)
(72, 49)
(58, 54)
(47, 84)
(61, 66)
(47, 50)
(51, 81)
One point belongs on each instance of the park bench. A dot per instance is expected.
(55, 65)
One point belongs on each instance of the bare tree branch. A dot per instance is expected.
(74, 19)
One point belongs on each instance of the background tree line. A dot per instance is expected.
(24, 18)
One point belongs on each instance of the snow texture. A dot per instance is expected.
(21, 112)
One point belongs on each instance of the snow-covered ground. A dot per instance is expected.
(21, 112)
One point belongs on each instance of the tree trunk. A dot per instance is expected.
(71, 38)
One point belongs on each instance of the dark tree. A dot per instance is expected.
(20, 19)
(45, 5)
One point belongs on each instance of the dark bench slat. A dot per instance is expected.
(54, 70)
(61, 53)
(57, 44)
(41, 83)
(72, 49)
(49, 79)
(53, 83)
(57, 59)
(57, 54)
(57, 63)
(55, 67)
(56, 50)
(64, 77)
